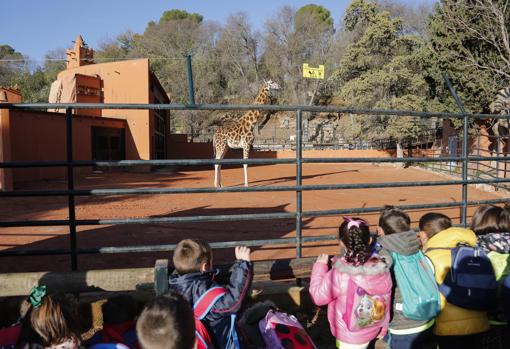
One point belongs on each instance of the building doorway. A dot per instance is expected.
(108, 143)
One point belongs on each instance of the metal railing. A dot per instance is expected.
(71, 192)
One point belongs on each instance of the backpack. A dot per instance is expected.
(281, 330)
(109, 346)
(113, 336)
(417, 285)
(470, 282)
(9, 336)
(201, 308)
(505, 295)
(363, 309)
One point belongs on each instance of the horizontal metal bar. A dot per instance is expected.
(120, 163)
(11, 253)
(163, 248)
(187, 219)
(269, 107)
(153, 191)
(265, 161)
(403, 207)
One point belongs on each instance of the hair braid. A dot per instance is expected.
(356, 242)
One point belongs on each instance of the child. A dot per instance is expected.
(456, 327)
(193, 276)
(432, 223)
(119, 324)
(167, 323)
(371, 277)
(396, 236)
(49, 323)
(491, 224)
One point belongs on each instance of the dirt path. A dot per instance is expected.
(94, 207)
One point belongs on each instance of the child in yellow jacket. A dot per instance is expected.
(456, 327)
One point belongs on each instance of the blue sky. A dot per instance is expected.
(33, 27)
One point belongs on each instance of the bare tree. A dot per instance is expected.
(487, 22)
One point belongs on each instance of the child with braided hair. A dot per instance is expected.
(357, 289)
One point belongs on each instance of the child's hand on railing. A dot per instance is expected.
(323, 258)
(243, 253)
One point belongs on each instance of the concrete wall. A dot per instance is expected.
(42, 136)
(180, 148)
(10, 96)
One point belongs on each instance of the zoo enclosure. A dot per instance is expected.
(72, 222)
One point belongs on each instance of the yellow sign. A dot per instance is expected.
(314, 73)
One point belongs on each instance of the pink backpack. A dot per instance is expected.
(281, 331)
(362, 309)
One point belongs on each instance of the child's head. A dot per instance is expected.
(50, 320)
(490, 219)
(432, 223)
(392, 221)
(119, 309)
(355, 236)
(191, 256)
(167, 323)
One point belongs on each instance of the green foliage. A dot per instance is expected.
(470, 42)
(359, 12)
(319, 14)
(11, 65)
(175, 14)
(384, 69)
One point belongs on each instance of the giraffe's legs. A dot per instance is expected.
(220, 154)
(217, 176)
(246, 152)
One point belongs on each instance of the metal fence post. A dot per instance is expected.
(161, 276)
(70, 187)
(191, 89)
(465, 152)
(299, 182)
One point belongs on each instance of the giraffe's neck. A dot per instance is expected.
(251, 117)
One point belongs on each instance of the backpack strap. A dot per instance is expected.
(438, 248)
(206, 301)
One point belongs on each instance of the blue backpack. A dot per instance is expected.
(470, 283)
(417, 285)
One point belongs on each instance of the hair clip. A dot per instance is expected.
(354, 222)
(36, 295)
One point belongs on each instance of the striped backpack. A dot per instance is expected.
(201, 308)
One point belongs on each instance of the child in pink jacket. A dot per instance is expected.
(357, 289)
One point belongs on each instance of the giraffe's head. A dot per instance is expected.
(272, 88)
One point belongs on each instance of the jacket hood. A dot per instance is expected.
(190, 285)
(371, 275)
(496, 242)
(405, 243)
(450, 237)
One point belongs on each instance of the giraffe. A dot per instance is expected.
(239, 135)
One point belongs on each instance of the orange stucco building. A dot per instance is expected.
(97, 134)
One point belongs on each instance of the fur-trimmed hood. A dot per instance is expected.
(375, 265)
(370, 275)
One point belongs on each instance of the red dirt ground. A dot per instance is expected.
(93, 207)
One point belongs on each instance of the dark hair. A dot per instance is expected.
(393, 220)
(167, 323)
(490, 219)
(190, 255)
(118, 309)
(433, 222)
(356, 238)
